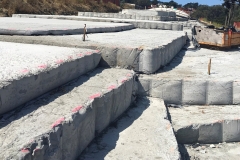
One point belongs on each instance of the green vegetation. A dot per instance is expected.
(63, 7)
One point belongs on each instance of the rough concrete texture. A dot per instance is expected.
(148, 12)
(61, 123)
(186, 81)
(221, 151)
(144, 24)
(36, 26)
(27, 70)
(178, 13)
(139, 49)
(135, 16)
(144, 132)
(206, 124)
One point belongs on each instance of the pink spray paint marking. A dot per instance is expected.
(80, 55)
(112, 87)
(60, 61)
(123, 80)
(25, 150)
(77, 109)
(129, 75)
(59, 121)
(25, 71)
(95, 96)
(88, 53)
(42, 66)
(97, 51)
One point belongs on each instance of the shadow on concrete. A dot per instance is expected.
(183, 152)
(106, 141)
(45, 99)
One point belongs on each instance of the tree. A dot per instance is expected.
(231, 6)
(154, 2)
(191, 5)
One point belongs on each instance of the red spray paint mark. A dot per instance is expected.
(60, 61)
(95, 95)
(25, 150)
(42, 66)
(77, 109)
(59, 121)
(112, 87)
(123, 80)
(25, 71)
(97, 51)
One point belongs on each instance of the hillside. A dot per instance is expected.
(62, 7)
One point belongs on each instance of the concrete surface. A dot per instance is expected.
(144, 132)
(221, 151)
(61, 123)
(37, 26)
(139, 49)
(27, 70)
(206, 124)
(186, 81)
(144, 24)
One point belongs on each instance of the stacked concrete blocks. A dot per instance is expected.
(76, 113)
(145, 60)
(212, 124)
(137, 23)
(191, 92)
(26, 80)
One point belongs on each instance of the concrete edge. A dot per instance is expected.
(191, 92)
(30, 86)
(78, 123)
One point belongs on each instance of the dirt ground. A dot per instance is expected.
(221, 151)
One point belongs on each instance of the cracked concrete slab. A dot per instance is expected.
(139, 49)
(144, 132)
(61, 123)
(28, 71)
(186, 81)
(206, 124)
(38, 26)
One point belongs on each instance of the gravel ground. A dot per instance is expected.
(221, 151)
(193, 64)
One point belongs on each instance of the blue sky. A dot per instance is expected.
(207, 2)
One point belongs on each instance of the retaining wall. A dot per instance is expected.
(144, 24)
(139, 59)
(79, 120)
(134, 16)
(32, 82)
(191, 92)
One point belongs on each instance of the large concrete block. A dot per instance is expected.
(169, 90)
(219, 92)
(210, 133)
(194, 92)
(231, 130)
(187, 135)
(144, 87)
